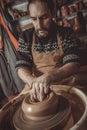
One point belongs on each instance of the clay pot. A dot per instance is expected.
(40, 110)
(76, 97)
(77, 27)
(77, 7)
(60, 118)
(59, 2)
(71, 9)
(81, 5)
(66, 23)
(64, 10)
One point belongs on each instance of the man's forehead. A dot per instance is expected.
(38, 9)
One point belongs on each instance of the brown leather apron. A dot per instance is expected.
(44, 62)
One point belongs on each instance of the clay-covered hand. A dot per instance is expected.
(40, 88)
(30, 82)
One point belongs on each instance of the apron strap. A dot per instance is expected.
(33, 40)
(59, 40)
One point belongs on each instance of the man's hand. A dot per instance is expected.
(40, 88)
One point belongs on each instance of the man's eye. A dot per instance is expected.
(33, 19)
(44, 17)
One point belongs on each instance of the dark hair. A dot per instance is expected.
(49, 3)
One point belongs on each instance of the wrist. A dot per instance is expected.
(29, 80)
(49, 76)
(54, 76)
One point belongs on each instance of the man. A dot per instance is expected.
(42, 57)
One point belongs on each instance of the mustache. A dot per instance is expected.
(42, 29)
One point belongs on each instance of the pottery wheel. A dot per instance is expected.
(59, 119)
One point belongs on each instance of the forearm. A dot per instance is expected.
(25, 75)
(63, 72)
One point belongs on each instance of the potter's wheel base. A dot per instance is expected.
(76, 98)
(59, 119)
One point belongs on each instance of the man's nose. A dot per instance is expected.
(39, 23)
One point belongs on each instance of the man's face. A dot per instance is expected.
(41, 18)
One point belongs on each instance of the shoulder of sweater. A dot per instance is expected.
(63, 31)
(28, 31)
(27, 34)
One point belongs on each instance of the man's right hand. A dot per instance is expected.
(40, 88)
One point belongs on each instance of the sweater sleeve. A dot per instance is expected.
(70, 46)
(24, 54)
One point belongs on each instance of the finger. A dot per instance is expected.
(32, 97)
(34, 90)
(42, 94)
(46, 90)
(37, 89)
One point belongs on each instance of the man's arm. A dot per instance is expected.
(41, 85)
(24, 57)
(25, 75)
(63, 72)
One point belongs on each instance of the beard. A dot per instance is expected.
(42, 33)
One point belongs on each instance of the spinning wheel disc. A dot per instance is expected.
(59, 119)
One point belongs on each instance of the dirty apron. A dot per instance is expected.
(45, 62)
